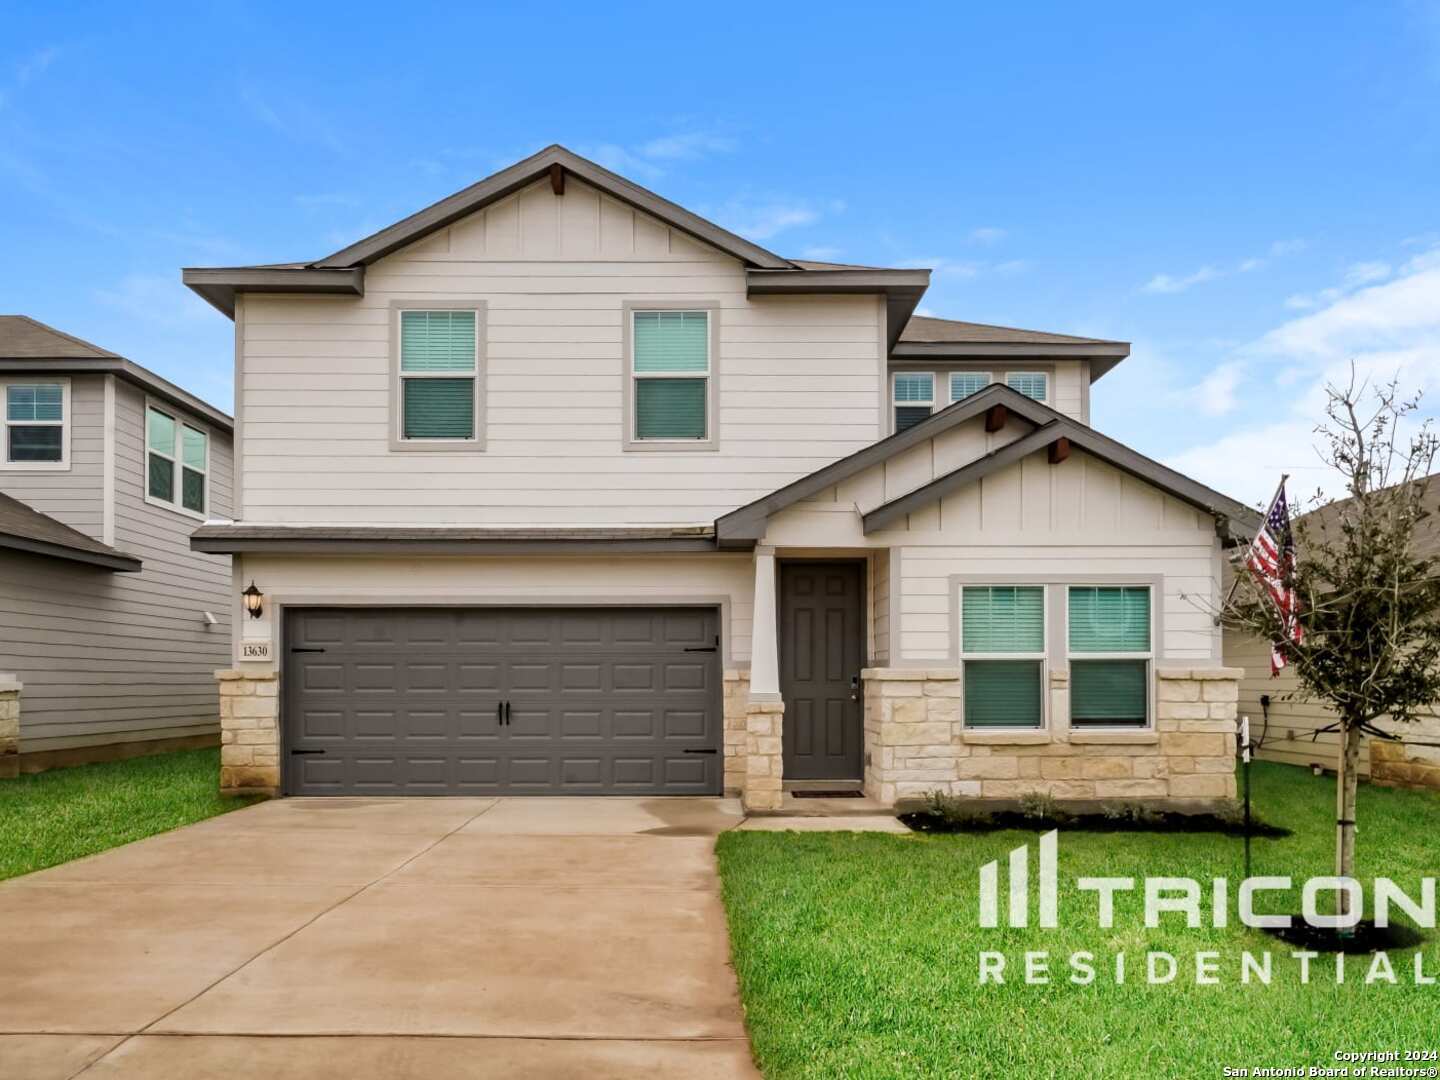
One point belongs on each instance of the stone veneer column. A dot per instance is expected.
(249, 732)
(736, 716)
(9, 727)
(763, 771)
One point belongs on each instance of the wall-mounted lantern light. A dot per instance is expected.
(254, 600)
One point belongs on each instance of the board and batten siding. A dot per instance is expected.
(725, 581)
(800, 379)
(110, 658)
(1082, 520)
(74, 496)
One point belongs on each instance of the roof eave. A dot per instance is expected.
(1102, 355)
(219, 285)
(128, 370)
(122, 564)
(313, 540)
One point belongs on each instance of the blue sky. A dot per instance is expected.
(1248, 193)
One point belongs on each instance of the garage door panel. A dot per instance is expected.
(601, 700)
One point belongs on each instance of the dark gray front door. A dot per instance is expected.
(822, 649)
(502, 701)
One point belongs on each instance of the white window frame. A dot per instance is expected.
(894, 404)
(398, 376)
(176, 457)
(1046, 375)
(1043, 656)
(63, 465)
(1148, 655)
(950, 381)
(630, 441)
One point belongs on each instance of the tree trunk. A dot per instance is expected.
(1346, 782)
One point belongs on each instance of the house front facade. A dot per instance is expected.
(557, 488)
(110, 624)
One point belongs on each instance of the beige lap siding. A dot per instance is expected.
(916, 743)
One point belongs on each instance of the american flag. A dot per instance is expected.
(1271, 559)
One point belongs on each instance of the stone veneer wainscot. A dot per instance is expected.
(9, 727)
(249, 732)
(916, 743)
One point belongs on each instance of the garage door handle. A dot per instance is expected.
(307, 751)
(707, 750)
(301, 648)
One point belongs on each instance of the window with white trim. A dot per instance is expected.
(1033, 384)
(439, 376)
(913, 394)
(1111, 650)
(177, 462)
(35, 418)
(670, 374)
(1002, 653)
(965, 383)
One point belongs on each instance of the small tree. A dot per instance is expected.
(1369, 603)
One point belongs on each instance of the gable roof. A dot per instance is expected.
(742, 527)
(30, 347)
(23, 528)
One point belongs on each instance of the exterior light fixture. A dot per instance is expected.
(254, 600)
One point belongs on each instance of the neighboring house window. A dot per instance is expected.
(1110, 655)
(1030, 383)
(671, 376)
(1002, 648)
(35, 414)
(965, 383)
(914, 393)
(439, 376)
(177, 461)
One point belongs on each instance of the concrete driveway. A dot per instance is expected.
(394, 938)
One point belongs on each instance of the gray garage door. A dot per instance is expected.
(502, 701)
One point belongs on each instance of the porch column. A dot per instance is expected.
(766, 712)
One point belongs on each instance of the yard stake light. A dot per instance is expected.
(254, 600)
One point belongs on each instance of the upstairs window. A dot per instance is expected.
(177, 462)
(965, 383)
(35, 436)
(439, 377)
(1033, 384)
(914, 394)
(671, 378)
(1002, 648)
(1110, 655)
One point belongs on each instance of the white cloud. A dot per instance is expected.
(1387, 330)
(157, 299)
(821, 253)
(688, 146)
(1214, 395)
(763, 218)
(1166, 283)
(1366, 273)
(987, 234)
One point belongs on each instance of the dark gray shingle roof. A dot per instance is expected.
(24, 528)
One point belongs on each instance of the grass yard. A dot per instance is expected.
(53, 817)
(858, 954)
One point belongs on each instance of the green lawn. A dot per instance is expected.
(858, 954)
(56, 816)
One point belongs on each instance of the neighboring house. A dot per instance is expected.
(109, 623)
(557, 488)
(1296, 732)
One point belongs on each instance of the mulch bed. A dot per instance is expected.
(923, 821)
(1364, 938)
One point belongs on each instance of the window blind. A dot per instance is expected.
(1031, 384)
(439, 408)
(1003, 619)
(672, 341)
(914, 386)
(670, 408)
(1109, 619)
(1108, 692)
(34, 402)
(437, 341)
(965, 383)
(1002, 693)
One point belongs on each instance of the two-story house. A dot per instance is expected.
(110, 625)
(555, 487)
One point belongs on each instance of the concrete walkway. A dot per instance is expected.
(394, 938)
